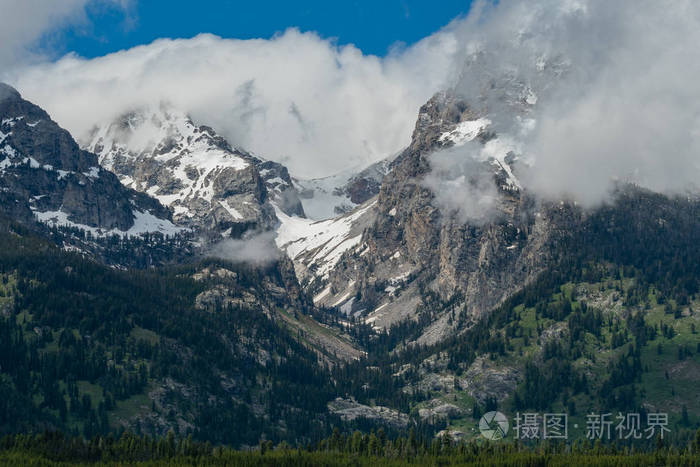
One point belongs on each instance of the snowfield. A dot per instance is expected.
(144, 222)
(319, 244)
(465, 131)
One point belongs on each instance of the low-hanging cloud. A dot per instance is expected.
(295, 98)
(593, 91)
(259, 249)
(462, 184)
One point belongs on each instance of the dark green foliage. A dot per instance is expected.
(356, 449)
(75, 322)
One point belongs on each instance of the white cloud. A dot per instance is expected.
(616, 86)
(463, 185)
(259, 249)
(295, 98)
(24, 22)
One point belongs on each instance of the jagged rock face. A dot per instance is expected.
(415, 253)
(208, 184)
(367, 183)
(43, 171)
(280, 187)
(457, 253)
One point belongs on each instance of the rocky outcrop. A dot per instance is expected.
(440, 411)
(350, 410)
(273, 288)
(485, 380)
(280, 187)
(366, 184)
(44, 173)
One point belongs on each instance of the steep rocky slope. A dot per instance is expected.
(453, 227)
(44, 175)
(419, 254)
(316, 247)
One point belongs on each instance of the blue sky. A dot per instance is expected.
(372, 25)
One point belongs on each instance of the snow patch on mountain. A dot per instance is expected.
(231, 210)
(144, 222)
(317, 246)
(498, 150)
(464, 131)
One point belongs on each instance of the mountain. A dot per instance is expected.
(521, 304)
(409, 245)
(45, 175)
(106, 325)
(423, 306)
(208, 184)
(452, 218)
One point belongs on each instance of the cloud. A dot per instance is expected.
(615, 86)
(294, 98)
(462, 184)
(616, 89)
(23, 23)
(259, 249)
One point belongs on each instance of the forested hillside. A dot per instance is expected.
(201, 348)
(87, 349)
(610, 327)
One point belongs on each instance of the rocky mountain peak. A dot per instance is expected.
(441, 114)
(452, 222)
(190, 168)
(417, 253)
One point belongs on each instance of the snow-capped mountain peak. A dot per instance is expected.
(189, 168)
